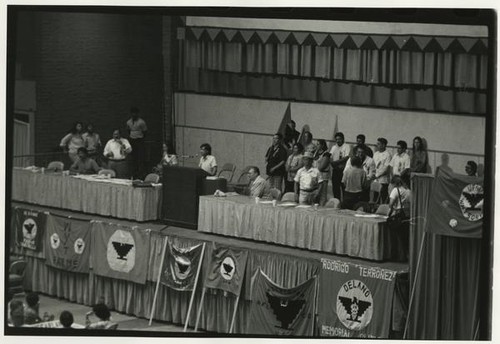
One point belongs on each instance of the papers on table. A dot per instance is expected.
(303, 206)
(287, 204)
(212, 178)
(371, 215)
(266, 202)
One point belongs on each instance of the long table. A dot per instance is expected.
(114, 197)
(329, 230)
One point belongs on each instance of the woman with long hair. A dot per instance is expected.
(72, 141)
(419, 159)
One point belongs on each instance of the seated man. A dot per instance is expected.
(84, 164)
(258, 186)
(308, 182)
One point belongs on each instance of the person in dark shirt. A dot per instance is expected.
(275, 162)
(66, 319)
(360, 140)
(84, 165)
(31, 310)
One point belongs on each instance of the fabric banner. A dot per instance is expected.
(30, 227)
(120, 252)
(281, 311)
(67, 244)
(355, 301)
(456, 205)
(180, 266)
(226, 269)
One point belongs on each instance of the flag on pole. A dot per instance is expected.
(456, 205)
(120, 252)
(68, 244)
(180, 266)
(226, 269)
(281, 311)
(30, 227)
(287, 117)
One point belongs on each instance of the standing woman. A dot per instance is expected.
(72, 141)
(419, 157)
(293, 164)
(322, 163)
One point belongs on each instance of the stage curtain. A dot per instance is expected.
(445, 299)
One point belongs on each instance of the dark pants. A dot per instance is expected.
(120, 167)
(337, 175)
(138, 152)
(350, 200)
(289, 186)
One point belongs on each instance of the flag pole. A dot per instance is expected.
(201, 307)
(316, 300)
(194, 288)
(158, 281)
(234, 313)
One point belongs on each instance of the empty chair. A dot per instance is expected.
(110, 173)
(243, 178)
(16, 276)
(56, 166)
(288, 197)
(375, 187)
(275, 194)
(227, 172)
(152, 177)
(333, 203)
(383, 209)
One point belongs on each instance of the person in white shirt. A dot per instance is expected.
(382, 159)
(401, 160)
(116, 150)
(308, 181)
(92, 142)
(207, 160)
(340, 153)
(368, 166)
(137, 130)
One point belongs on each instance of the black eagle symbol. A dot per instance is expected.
(29, 227)
(79, 245)
(122, 249)
(182, 267)
(55, 240)
(227, 269)
(285, 310)
(473, 199)
(354, 307)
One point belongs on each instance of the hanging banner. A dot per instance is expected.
(120, 252)
(226, 269)
(180, 266)
(281, 311)
(30, 228)
(355, 301)
(456, 205)
(67, 244)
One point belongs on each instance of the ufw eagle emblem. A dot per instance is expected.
(286, 310)
(122, 249)
(354, 307)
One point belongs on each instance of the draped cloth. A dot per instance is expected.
(445, 302)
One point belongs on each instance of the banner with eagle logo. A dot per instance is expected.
(281, 311)
(67, 244)
(180, 266)
(226, 269)
(120, 252)
(30, 227)
(355, 301)
(456, 205)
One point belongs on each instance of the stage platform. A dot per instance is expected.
(285, 266)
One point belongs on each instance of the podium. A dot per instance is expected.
(182, 187)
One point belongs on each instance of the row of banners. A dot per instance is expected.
(344, 300)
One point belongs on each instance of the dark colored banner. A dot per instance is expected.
(456, 205)
(30, 227)
(180, 266)
(68, 244)
(120, 252)
(226, 269)
(355, 301)
(281, 311)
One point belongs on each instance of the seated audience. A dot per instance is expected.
(368, 166)
(207, 160)
(322, 163)
(308, 182)
(92, 142)
(471, 168)
(31, 310)
(101, 311)
(72, 141)
(353, 179)
(84, 165)
(401, 160)
(360, 140)
(276, 157)
(293, 164)
(258, 186)
(66, 319)
(116, 150)
(16, 313)
(419, 159)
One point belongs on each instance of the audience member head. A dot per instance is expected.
(66, 319)
(16, 309)
(307, 158)
(253, 172)
(401, 146)
(277, 138)
(82, 153)
(418, 144)
(322, 145)
(90, 128)
(396, 181)
(101, 311)
(471, 168)
(205, 149)
(381, 144)
(360, 139)
(117, 134)
(298, 148)
(77, 128)
(339, 138)
(360, 151)
(356, 162)
(308, 138)
(134, 111)
(32, 300)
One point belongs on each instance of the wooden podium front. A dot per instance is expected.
(182, 187)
